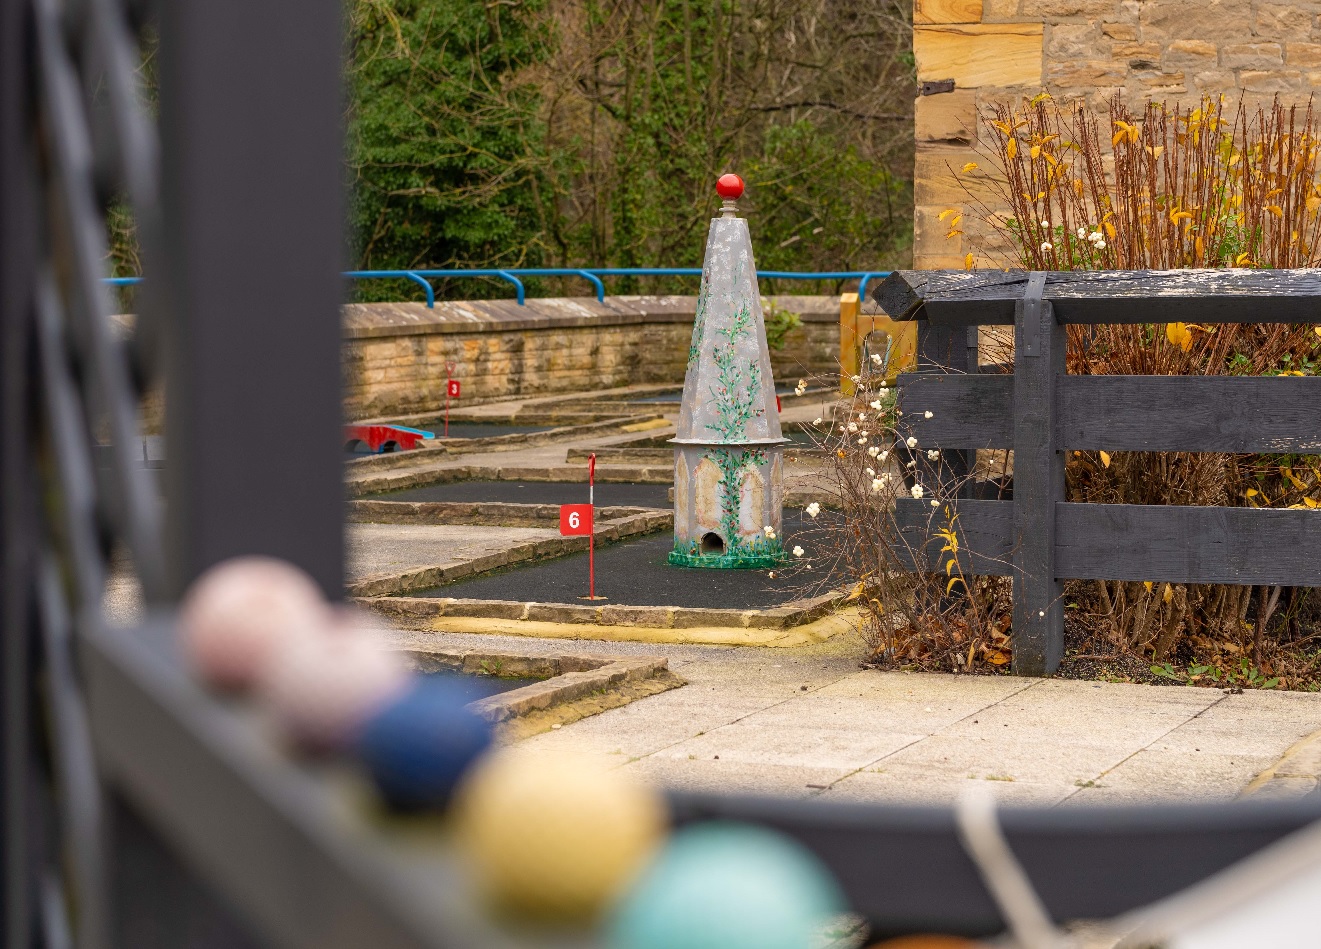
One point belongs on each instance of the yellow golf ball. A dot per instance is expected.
(555, 838)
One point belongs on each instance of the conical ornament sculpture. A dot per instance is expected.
(728, 454)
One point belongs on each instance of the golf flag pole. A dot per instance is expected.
(451, 389)
(577, 520)
(591, 538)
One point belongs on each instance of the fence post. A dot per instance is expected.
(1038, 624)
(945, 349)
(250, 182)
(849, 305)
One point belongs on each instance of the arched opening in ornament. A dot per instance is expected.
(712, 544)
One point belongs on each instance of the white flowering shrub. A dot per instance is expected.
(936, 618)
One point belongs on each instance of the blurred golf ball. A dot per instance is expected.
(555, 838)
(321, 691)
(236, 614)
(724, 885)
(419, 745)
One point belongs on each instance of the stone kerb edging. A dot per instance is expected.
(1297, 773)
(568, 678)
(544, 408)
(419, 456)
(482, 513)
(793, 624)
(422, 578)
(795, 613)
(612, 455)
(665, 455)
(566, 687)
(569, 474)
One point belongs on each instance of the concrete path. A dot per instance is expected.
(808, 722)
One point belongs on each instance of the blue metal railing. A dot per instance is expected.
(423, 277)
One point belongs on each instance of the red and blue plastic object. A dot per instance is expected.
(383, 438)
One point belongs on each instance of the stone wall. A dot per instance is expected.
(395, 353)
(1000, 50)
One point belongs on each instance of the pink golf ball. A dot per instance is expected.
(235, 615)
(321, 691)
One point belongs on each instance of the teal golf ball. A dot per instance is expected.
(727, 886)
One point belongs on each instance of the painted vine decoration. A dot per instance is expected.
(731, 462)
(736, 395)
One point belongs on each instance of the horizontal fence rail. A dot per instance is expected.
(1160, 543)
(1041, 412)
(514, 276)
(989, 297)
(1125, 413)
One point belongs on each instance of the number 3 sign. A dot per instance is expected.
(453, 389)
(575, 519)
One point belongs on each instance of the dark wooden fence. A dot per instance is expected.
(1041, 412)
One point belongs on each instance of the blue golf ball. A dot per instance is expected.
(725, 885)
(419, 746)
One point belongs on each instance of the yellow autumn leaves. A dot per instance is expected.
(955, 217)
(1129, 131)
(1167, 593)
(1167, 187)
(1105, 457)
(952, 548)
(1258, 498)
(1181, 334)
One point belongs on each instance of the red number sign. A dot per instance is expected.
(454, 388)
(575, 519)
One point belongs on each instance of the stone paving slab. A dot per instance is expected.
(1233, 725)
(1158, 773)
(745, 722)
(908, 786)
(840, 750)
(376, 549)
(732, 777)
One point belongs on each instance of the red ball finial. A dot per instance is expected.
(729, 187)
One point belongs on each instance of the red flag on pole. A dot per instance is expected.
(575, 519)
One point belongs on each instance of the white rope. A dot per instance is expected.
(1009, 886)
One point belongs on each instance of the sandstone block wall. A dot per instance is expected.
(395, 353)
(1001, 50)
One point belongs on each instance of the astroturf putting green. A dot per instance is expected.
(636, 573)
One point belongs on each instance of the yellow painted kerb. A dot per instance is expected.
(805, 635)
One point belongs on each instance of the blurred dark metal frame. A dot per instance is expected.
(138, 809)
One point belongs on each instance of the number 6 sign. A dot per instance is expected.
(575, 519)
